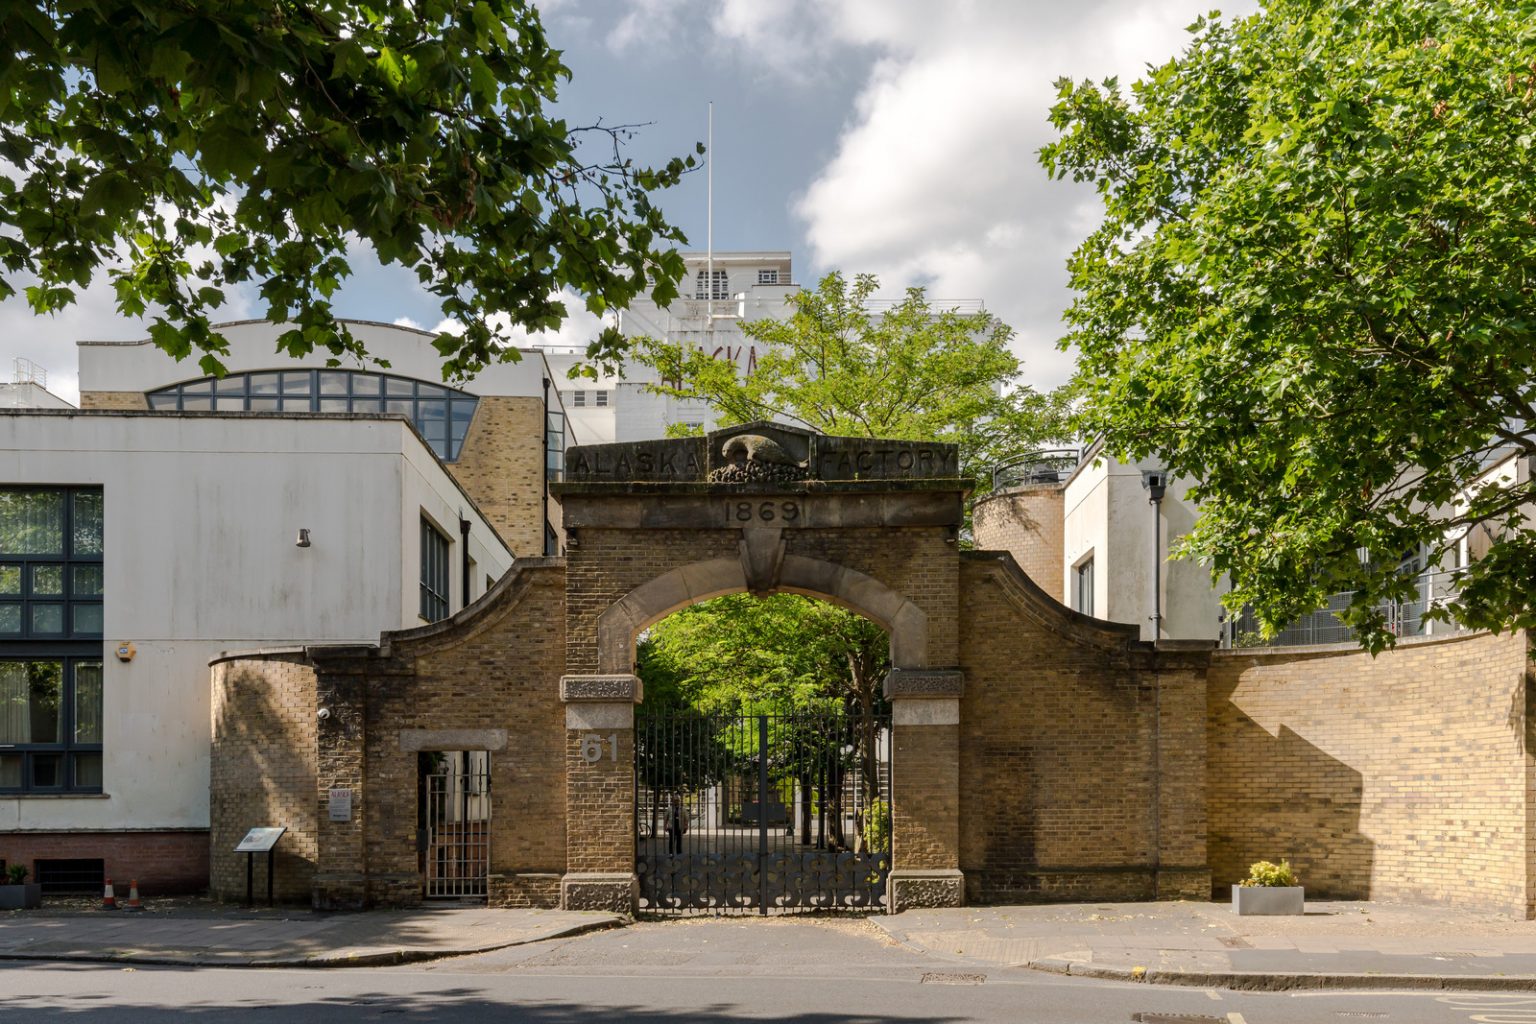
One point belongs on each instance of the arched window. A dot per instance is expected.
(701, 290)
(440, 414)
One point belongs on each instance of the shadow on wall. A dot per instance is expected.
(1276, 797)
(263, 774)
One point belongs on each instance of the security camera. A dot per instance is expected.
(323, 714)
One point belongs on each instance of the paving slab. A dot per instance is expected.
(282, 938)
(1333, 945)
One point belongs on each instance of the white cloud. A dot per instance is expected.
(936, 177)
(578, 328)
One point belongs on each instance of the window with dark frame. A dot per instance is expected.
(441, 415)
(554, 444)
(1082, 587)
(434, 572)
(51, 610)
(702, 290)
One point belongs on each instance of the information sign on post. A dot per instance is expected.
(261, 839)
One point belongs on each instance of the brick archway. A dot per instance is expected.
(623, 621)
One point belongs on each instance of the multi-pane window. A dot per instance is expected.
(702, 289)
(602, 399)
(50, 724)
(578, 399)
(1082, 587)
(51, 579)
(554, 444)
(51, 587)
(768, 276)
(441, 414)
(434, 573)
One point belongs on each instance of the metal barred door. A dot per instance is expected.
(765, 814)
(456, 807)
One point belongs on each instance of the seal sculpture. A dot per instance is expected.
(753, 457)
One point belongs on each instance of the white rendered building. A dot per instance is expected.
(171, 519)
(717, 297)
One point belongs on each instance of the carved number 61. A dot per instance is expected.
(764, 511)
(592, 747)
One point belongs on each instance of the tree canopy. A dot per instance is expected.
(837, 366)
(185, 149)
(1312, 292)
(778, 654)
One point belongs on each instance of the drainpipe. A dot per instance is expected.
(544, 475)
(1156, 483)
(464, 558)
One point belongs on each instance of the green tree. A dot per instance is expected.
(1312, 292)
(185, 148)
(837, 367)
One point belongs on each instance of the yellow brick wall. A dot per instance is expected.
(501, 466)
(263, 772)
(1027, 522)
(1400, 777)
(113, 400)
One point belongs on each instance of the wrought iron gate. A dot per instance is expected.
(762, 813)
(455, 823)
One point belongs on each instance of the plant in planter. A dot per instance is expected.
(1270, 889)
(16, 894)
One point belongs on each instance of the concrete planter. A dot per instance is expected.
(28, 896)
(1268, 900)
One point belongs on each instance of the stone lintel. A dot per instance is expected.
(614, 893)
(934, 711)
(600, 715)
(925, 683)
(413, 740)
(606, 688)
(915, 890)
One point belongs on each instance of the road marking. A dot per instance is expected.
(1213, 994)
(1236, 1018)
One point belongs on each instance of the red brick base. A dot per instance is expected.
(163, 862)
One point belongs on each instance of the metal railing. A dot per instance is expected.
(1046, 466)
(1404, 618)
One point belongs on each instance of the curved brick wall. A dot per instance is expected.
(1027, 523)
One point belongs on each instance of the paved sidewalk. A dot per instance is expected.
(280, 938)
(1335, 945)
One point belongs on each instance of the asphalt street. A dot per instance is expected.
(809, 971)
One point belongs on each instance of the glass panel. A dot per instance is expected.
(88, 702)
(31, 693)
(47, 771)
(333, 382)
(47, 618)
(432, 421)
(430, 391)
(88, 523)
(296, 383)
(190, 403)
(165, 400)
(229, 403)
(401, 406)
(10, 770)
(10, 618)
(48, 581)
(298, 403)
(10, 579)
(264, 404)
(87, 771)
(396, 386)
(87, 619)
(263, 383)
(31, 522)
(366, 384)
(234, 384)
(335, 405)
(197, 387)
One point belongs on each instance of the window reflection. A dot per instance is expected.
(439, 413)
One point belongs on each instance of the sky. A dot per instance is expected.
(895, 137)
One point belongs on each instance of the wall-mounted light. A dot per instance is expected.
(303, 541)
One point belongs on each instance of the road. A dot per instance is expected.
(715, 971)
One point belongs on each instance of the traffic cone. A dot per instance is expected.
(133, 896)
(109, 898)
